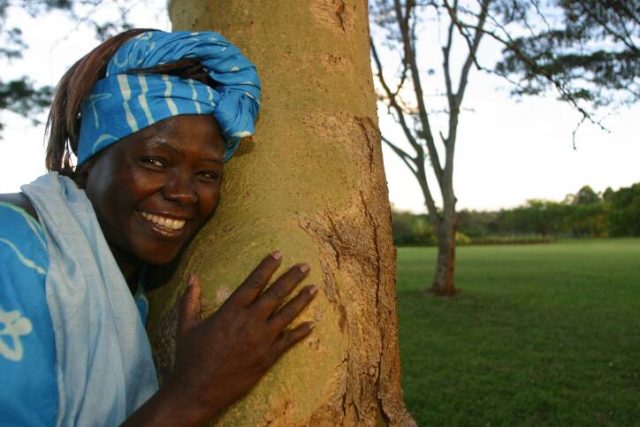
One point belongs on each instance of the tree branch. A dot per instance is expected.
(509, 44)
(404, 156)
(446, 52)
(473, 50)
(391, 96)
(627, 41)
(623, 6)
(417, 85)
(416, 167)
(421, 176)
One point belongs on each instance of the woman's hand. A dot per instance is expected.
(219, 358)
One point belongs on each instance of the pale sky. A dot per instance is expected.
(507, 151)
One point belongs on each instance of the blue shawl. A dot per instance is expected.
(104, 367)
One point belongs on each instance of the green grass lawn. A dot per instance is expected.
(538, 335)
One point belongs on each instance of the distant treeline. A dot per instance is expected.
(584, 214)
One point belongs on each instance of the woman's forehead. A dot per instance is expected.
(180, 133)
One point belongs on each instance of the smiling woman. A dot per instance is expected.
(151, 117)
(152, 193)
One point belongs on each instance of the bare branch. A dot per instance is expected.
(403, 77)
(421, 176)
(473, 50)
(446, 52)
(417, 86)
(566, 94)
(575, 131)
(444, 140)
(393, 103)
(541, 16)
(404, 156)
(455, 96)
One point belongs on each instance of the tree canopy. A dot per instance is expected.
(589, 50)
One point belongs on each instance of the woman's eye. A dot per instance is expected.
(209, 175)
(153, 162)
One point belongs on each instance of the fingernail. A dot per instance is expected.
(192, 279)
(276, 255)
(313, 290)
(304, 267)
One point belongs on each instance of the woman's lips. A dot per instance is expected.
(170, 227)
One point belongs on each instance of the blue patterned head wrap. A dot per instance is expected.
(123, 102)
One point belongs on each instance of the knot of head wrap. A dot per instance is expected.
(127, 101)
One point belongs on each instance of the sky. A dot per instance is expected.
(508, 150)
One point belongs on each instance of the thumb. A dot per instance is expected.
(189, 314)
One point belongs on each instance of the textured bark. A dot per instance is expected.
(311, 183)
(443, 280)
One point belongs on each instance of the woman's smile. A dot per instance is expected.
(167, 226)
(156, 188)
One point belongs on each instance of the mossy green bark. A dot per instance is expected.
(310, 183)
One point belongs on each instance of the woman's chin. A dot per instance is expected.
(159, 257)
(159, 250)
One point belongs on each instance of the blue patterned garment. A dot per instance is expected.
(125, 101)
(29, 386)
(27, 349)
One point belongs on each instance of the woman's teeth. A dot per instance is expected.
(169, 223)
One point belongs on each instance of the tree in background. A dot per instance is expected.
(311, 183)
(585, 214)
(477, 224)
(402, 227)
(540, 217)
(584, 197)
(406, 98)
(585, 49)
(588, 50)
(588, 213)
(615, 213)
(20, 94)
(624, 217)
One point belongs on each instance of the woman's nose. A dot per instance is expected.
(180, 188)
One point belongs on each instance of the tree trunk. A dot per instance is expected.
(310, 183)
(443, 283)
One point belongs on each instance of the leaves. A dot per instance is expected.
(587, 49)
(21, 95)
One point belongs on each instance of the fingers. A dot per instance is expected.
(291, 337)
(258, 279)
(288, 312)
(189, 314)
(271, 299)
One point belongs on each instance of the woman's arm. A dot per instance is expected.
(220, 358)
(20, 200)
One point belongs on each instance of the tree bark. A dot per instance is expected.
(443, 283)
(445, 226)
(310, 183)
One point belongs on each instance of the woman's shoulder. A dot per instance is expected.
(19, 200)
(22, 238)
(27, 347)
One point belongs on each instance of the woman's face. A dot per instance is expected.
(153, 190)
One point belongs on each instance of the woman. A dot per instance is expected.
(151, 117)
